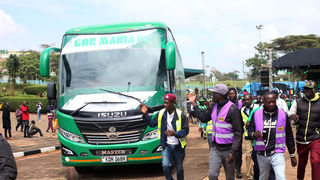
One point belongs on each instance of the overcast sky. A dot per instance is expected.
(224, 30)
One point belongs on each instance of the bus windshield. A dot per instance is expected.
(133, 61)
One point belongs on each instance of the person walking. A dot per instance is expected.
(233, 97)
(305, 113)
(272, 131)
(50, 115)
(8, 167)
(6, 122)
(227, 129)
(245, 113)
(172, 131)
(25, 117)
(38, 107)
(18, 115)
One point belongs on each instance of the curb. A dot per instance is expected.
(37, 151)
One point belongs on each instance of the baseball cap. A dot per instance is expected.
(170, 96)
(220, 89)
(310, 84)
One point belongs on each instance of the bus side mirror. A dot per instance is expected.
(51, 91)
(170, 55)
(45, 61)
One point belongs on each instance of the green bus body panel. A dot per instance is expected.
(113, 28)
(45, 61)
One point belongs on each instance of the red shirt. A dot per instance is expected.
(25, 112)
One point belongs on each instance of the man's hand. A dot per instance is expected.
(293, 161)
(144, 108)
(192, 98)
(230, 158)
(257, 134)
(247, 124)
(170, 133)
(294, 117)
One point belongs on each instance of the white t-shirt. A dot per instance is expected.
(171, 139)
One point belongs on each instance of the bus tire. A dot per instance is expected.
(84, 169)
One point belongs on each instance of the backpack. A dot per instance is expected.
(18, 112)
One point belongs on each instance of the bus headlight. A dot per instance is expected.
(150, 135)
(70, 136)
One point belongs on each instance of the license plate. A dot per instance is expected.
(113, 159)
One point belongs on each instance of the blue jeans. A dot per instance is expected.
(277, 162)
(39, 115)
(176, 154)
(256, 168)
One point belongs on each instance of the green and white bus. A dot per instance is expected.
(105, 72)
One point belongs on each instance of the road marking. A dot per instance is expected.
(38, 155)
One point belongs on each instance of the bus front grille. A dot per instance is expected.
(119, 131)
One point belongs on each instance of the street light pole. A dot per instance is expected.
(204, 76)
(270, 70)
(259, 27)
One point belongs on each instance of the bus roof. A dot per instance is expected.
(112, 28)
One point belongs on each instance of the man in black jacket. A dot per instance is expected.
(271, 129)
(8, 168)
(305, 111)
(172, 131)
(227, 129)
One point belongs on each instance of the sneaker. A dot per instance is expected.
(11, 138)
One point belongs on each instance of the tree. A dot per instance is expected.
(29, 66)
(12, 66)
(291, 43)
(259, 58)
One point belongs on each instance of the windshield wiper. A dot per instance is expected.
(122, 95)
(99, 102)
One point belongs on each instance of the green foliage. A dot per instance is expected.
(15, 102)
(29, 66)
(12, 65)
(35, 89)
(226, 76)
(293, 43)
(261, 57)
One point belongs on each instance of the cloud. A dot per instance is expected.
(8, 26)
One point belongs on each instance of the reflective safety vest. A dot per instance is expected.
(239, 104)
(183, 141)
(280, 146)
(209, 127)
(245, 120)
(222, 131)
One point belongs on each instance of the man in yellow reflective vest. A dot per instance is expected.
(245, 112)
(172, 131)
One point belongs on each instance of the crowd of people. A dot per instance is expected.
(26, 125)
(257, 126)
(264, 122)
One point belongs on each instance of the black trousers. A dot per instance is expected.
(239, 158)
(20, 123)
(7, 131)
(26, 127)
(35, 131)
